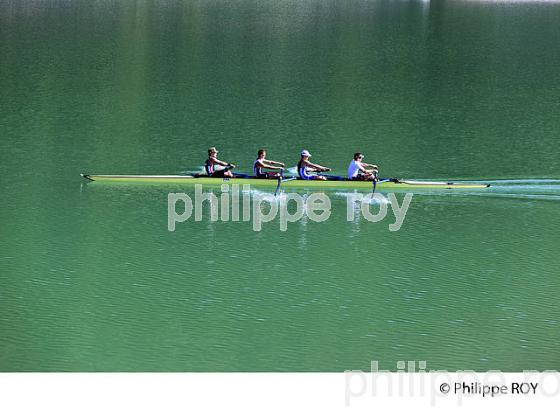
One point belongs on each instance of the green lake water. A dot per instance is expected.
(92, 280)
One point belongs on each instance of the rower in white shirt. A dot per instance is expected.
(360, 171)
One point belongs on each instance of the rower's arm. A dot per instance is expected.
(281, 164)
(268, 164)
(369, 165)
(317, 166)
(222, 163)
(364, 168)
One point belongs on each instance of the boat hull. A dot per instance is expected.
(289, 183)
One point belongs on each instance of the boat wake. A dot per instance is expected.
(531, 189)
(377, 199)
(292, 171)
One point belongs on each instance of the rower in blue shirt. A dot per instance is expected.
(304, 166)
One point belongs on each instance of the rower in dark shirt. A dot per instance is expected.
(212, 161)
(261, 163)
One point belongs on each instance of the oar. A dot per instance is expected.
(282, 180)
(280, 177)
(374, 181)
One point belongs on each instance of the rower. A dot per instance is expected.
(304, 166)
(360, 171)
(212, 161)
(262, 163)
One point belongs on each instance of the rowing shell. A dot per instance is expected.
(289, 183)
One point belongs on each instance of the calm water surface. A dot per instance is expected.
(91, 278)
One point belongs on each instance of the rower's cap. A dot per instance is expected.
(212, 149)
(305, 153)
